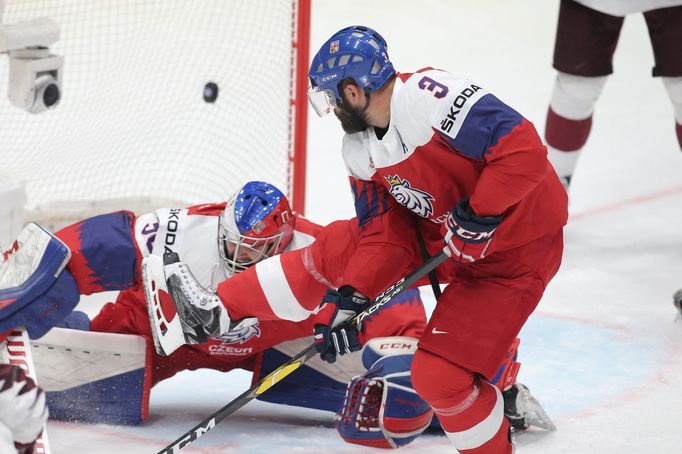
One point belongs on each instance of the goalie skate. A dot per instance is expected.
(181, 311)
(523, 410)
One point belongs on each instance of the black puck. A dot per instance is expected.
(211, 92)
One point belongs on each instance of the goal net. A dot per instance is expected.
(134, 129)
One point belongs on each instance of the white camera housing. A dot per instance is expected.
(35, 75)
(35, 79)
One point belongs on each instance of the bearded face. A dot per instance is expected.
(351, 123)
(352, 120)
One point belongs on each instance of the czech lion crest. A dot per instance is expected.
(413, 199)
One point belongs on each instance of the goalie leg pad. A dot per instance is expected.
(29, 268)
(94, 377)
(381, 408)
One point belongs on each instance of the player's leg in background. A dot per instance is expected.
(665, 31)
(583, 52)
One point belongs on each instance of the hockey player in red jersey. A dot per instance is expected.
(440, 151)
(586, 38)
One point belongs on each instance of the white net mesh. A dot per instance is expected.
(132, 125)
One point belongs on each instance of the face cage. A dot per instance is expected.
(261, 248)
(322, 101)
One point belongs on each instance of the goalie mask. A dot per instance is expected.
(253, 226)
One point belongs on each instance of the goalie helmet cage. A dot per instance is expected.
(135, 128)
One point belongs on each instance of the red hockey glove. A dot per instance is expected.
(468, 235)
(337, 307)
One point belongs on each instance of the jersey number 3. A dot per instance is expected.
(439, 90)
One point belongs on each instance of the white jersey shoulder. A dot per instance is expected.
(356, 157)
(194, 237)
(433, 100)
(625, 7)
(428, 101)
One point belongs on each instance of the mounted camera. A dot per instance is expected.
(34, 79)
(35, 75)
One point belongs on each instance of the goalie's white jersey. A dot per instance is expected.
(192, 233)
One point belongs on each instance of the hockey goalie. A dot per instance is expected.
(275, 266)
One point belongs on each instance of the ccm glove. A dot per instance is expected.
(338, 306)
(467, 235)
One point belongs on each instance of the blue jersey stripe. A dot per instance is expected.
(108, 245)
(486, 123)
(370, 200)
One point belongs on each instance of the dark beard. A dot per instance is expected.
(351, 123)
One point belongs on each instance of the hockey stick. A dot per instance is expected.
(297, 361)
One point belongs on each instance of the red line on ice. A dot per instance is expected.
(627, 203)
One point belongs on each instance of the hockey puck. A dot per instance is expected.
(211, 92)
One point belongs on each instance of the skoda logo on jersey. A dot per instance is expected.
(241, 335)
(457, 106)
(413, 199)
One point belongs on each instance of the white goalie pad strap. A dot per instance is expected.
(23, 259)
(483, 431)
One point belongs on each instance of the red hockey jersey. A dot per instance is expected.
(448, 138)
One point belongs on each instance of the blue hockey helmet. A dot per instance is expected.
(355, 52)
(254, 226)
